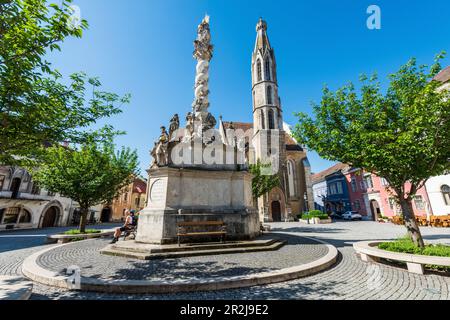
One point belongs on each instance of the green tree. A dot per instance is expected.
(36, 108)
(92, 174)
(401, 135)
(262, 183)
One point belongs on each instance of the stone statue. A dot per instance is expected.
(190, 126)
(160, 151)
(203, 52)
(174, 126)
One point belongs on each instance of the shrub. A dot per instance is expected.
(314, 214)
(405, 245)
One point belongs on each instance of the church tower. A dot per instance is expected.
(267, 113)
(268, 134)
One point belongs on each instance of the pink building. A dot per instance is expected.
(357, 191)
(369, 195)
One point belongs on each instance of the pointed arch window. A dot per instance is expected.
(269, 95)
(291, 178)
(271, 120)
(267, 70)
(263, 120)
(259, 70)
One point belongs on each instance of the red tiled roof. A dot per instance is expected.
(321, 175)
(249, 126)
(238, 125)
(443, 76)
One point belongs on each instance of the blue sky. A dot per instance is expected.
(144, 47)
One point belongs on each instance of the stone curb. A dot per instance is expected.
(15, 288)
(64, 238)
(370, 253)
(32, 270)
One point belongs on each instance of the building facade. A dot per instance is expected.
(271, 140)
(132, 197)
(438, 190)
(353, 189)
(24, 205)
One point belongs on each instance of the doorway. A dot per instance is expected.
(276, 211)
(50, 217)
(375, 209)
(105, 215)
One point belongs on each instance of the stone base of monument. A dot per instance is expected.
(179, 195)
(142, 251)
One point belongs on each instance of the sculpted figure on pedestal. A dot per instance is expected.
(160, 151)
(174, 126)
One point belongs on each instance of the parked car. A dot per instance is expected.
(352, 215)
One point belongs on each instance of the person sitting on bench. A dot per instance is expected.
(130, 223)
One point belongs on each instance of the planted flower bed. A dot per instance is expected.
(405, 245)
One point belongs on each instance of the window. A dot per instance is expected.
(125, 197)
(263, 120)
(269, 95)
(339, 188)
(271, 120)
(2, 211)
(333, 188)
(445, 189)
(363, 185)
(418, 201)
(136, 201)
(368, 181)
(384, 182)
(259, 70)
(25, 217)
(2, 182)
(357, 205)
(11, 215)
(50, 194)
(354, 185)
(35, 189)
(254, 99)
(267, 70)
(392, 203)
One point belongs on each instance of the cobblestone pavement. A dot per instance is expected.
(86, 255)
(350, 278)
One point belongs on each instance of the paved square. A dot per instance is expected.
(350, 278)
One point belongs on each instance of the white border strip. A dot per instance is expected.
(33, 271)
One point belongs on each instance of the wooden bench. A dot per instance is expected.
(184, 229)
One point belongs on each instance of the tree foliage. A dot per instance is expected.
(262, 183)
(401, 135)
(92, 174)
(36, 107)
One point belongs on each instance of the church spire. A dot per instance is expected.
(262, 40)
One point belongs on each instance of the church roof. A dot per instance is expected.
(444, 75)
(291, 144)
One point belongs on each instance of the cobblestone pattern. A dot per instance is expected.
(86, 255)
(349, 279)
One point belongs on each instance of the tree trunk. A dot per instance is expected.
(83, 220)
(411, 223)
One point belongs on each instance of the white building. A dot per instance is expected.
(438, 189)
(24, 205)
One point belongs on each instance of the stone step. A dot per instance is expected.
(274, 245)
(151, 249)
